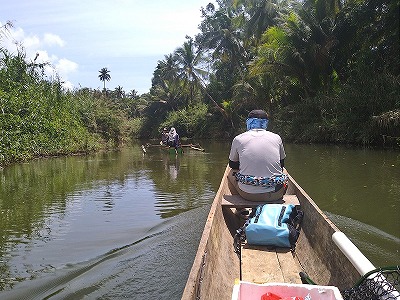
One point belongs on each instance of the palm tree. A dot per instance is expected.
(166, 69)
(104, 76)
(4, 29)
(133, 94)
(223, 38)
(188, 60)
(167, 87)
(119, 92)
(264, 14)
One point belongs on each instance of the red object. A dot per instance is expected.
(270, 296)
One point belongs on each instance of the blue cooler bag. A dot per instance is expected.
(274, 225)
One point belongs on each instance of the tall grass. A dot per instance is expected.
(39, 118)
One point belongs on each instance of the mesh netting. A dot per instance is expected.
(379, 284)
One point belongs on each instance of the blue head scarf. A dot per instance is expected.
(256, 123)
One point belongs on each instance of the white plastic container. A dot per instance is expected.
(252, 291)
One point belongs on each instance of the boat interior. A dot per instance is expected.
(217, 266)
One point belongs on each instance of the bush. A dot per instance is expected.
(189, 122)
(39, 118)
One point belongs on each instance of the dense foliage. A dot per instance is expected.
(325, 70)
(39, 118)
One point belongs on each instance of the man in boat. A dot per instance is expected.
(257, 161)
(173, 139)
(164, 137)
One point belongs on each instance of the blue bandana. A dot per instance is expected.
(256, 123)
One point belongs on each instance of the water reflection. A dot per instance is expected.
(90, 205)
(183, 184)
(171, 164)
(361, 186)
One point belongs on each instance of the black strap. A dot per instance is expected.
(283, 209)
(257, 216)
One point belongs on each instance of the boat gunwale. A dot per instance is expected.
(195, 272)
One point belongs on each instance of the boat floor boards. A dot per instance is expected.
(261, 264)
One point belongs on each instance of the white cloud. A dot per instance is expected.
(43, 56)
(33, 45)
(90, 34)
(67, 85)
(65, 66)
(53, 39)
(31, 42)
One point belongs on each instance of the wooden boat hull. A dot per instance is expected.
(216, 266)
(172, 150)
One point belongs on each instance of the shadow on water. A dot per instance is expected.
(153, 267)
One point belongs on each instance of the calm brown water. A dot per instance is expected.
(126, 225)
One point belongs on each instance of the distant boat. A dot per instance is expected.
(171, 150)
(322, 254)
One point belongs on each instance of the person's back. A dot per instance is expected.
(173, 138)
(164, 137)
(257, 157)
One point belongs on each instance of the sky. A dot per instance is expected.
(80, 37)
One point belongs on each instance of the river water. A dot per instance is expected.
(126, 225)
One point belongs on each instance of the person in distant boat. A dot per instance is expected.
(173, 138)
(164, 137)
(257, 159)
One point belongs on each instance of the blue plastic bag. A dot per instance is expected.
(274, 225)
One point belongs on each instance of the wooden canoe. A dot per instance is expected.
(168, 149)
(216, 265)
(196, 147)
(173, 150)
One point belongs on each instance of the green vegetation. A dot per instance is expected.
(39, 118)
(326, 72)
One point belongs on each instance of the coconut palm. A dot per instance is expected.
(222, 38)
(104, 76)
(119, 92)
(264, 14)
(188, 62)
(167, 87)
(166, 69)
(133, 94)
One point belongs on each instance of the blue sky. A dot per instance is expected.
(79, 37)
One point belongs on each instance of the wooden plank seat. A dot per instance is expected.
(261, 264)
(237, 201)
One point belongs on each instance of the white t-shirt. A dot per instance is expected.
(259, 153)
